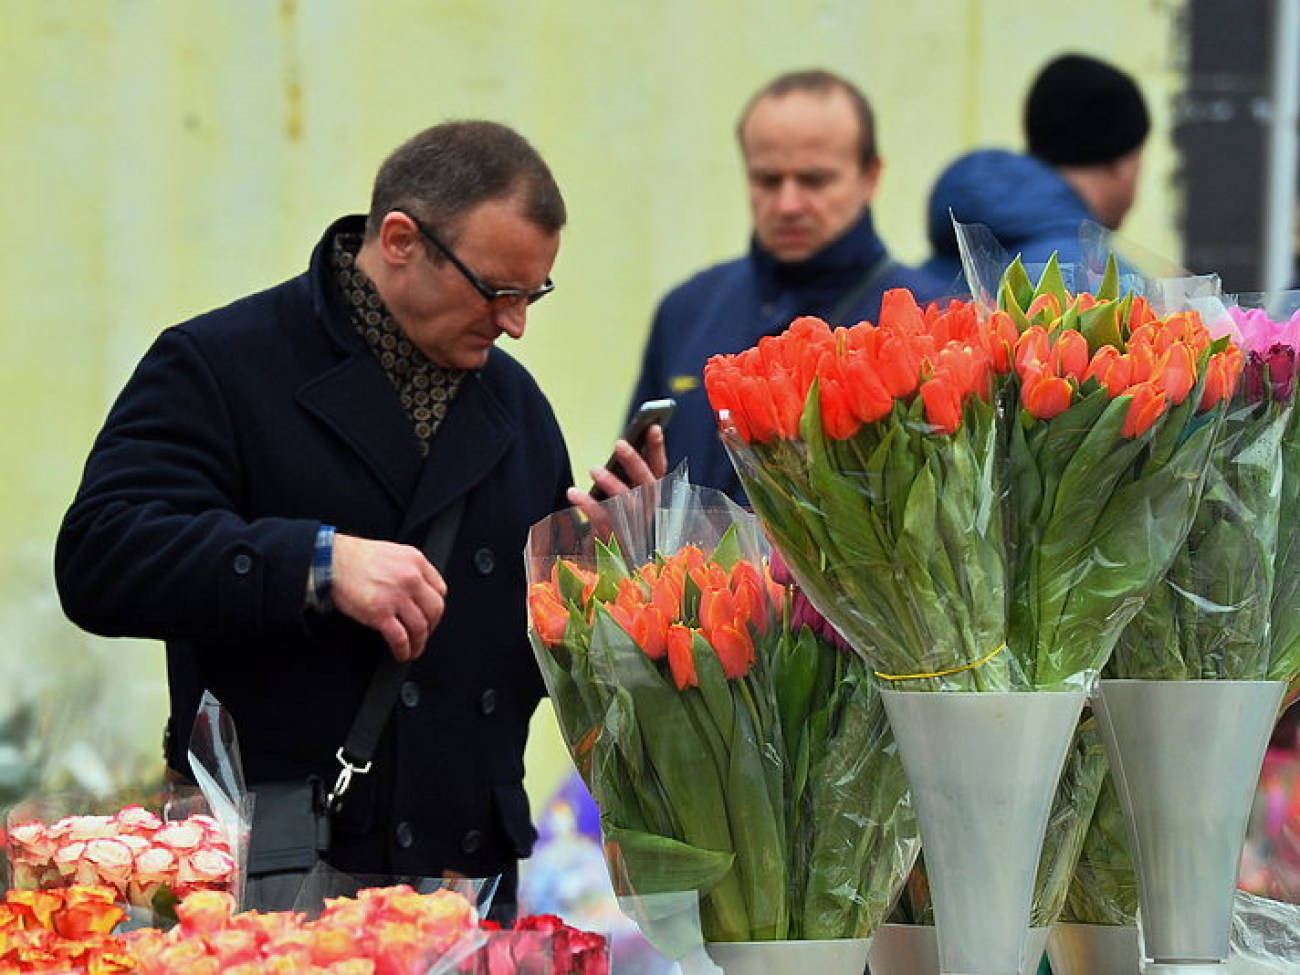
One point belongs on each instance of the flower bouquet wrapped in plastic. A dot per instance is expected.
(730, 752)
(134, 851)
(151, 852)
(1226, 611)
(979, 500)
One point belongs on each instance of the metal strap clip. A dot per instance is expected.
(344, 781)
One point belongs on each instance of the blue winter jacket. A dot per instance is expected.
(729, 307)
(1026, 204)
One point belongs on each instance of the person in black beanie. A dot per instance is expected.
(1085, 125)
(1089, 121)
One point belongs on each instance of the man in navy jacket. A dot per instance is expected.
(809, 147)
(260, 491)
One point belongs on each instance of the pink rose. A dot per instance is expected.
(110, 860)
(138, 821)
(180, 837)
(205, 868)
(89, 827)
(68, 856)
(32, 842)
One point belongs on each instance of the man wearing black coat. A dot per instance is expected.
(261, 489)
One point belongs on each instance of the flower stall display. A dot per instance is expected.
(1190, 696)
(382, 931)
(64, 930)
(148, 862)
(979, 501)
(730, 751)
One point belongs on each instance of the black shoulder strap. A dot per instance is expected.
(871, 279)
(381, 695)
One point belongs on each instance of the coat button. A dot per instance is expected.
(242, 564)
(488, 702)
(484, 561)
(410, 693)
(405, 835)
(472, 841)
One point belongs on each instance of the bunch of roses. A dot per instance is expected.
(134, 852)
(383, 931)
(65, 930)
(535, 941)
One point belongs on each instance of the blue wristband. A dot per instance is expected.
(321, 576)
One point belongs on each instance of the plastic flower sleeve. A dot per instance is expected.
(150, 852)
(678, 684)
(1071, 816)
(219, 772)
(1211, 617)
(1267, 328)
(1104, 887)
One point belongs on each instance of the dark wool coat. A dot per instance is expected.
(238, 435)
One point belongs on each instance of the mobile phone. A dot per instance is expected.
(649, 413)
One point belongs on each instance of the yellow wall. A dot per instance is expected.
(164, 157)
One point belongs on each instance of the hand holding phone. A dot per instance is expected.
(648, 414)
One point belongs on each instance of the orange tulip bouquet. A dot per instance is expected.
(980, 499)
(1226, 609)
(731, 750)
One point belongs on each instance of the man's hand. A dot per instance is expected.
(641, 468)
(390, 588)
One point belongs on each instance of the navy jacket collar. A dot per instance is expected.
(836, 265)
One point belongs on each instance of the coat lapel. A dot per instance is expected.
(468, 445)
(357, 401)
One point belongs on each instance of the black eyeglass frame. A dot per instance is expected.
(489, 293)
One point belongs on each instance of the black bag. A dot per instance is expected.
(291, 819)
(291, 831)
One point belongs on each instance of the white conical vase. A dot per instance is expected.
(1094, 949)
(840, 956)
(982, 768)
(1186, 757)
(913, 949)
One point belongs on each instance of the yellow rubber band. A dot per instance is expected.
(942, 673)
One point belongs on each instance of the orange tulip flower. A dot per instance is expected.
(999, 338)
(1147, 406)
(1177, 372)
(718, 607)
(1112, 369)
(864, 390)
(1069, 355)
(734, 647)
(1044, 394)
(898, 364)
(681, 660)
(549, 614)
(942, 399)
(1222, 374)
(1045, 303)
(1032, 348)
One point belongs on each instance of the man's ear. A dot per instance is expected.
(870, 177)
(398, 239)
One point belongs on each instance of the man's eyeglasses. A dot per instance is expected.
(489, 293)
